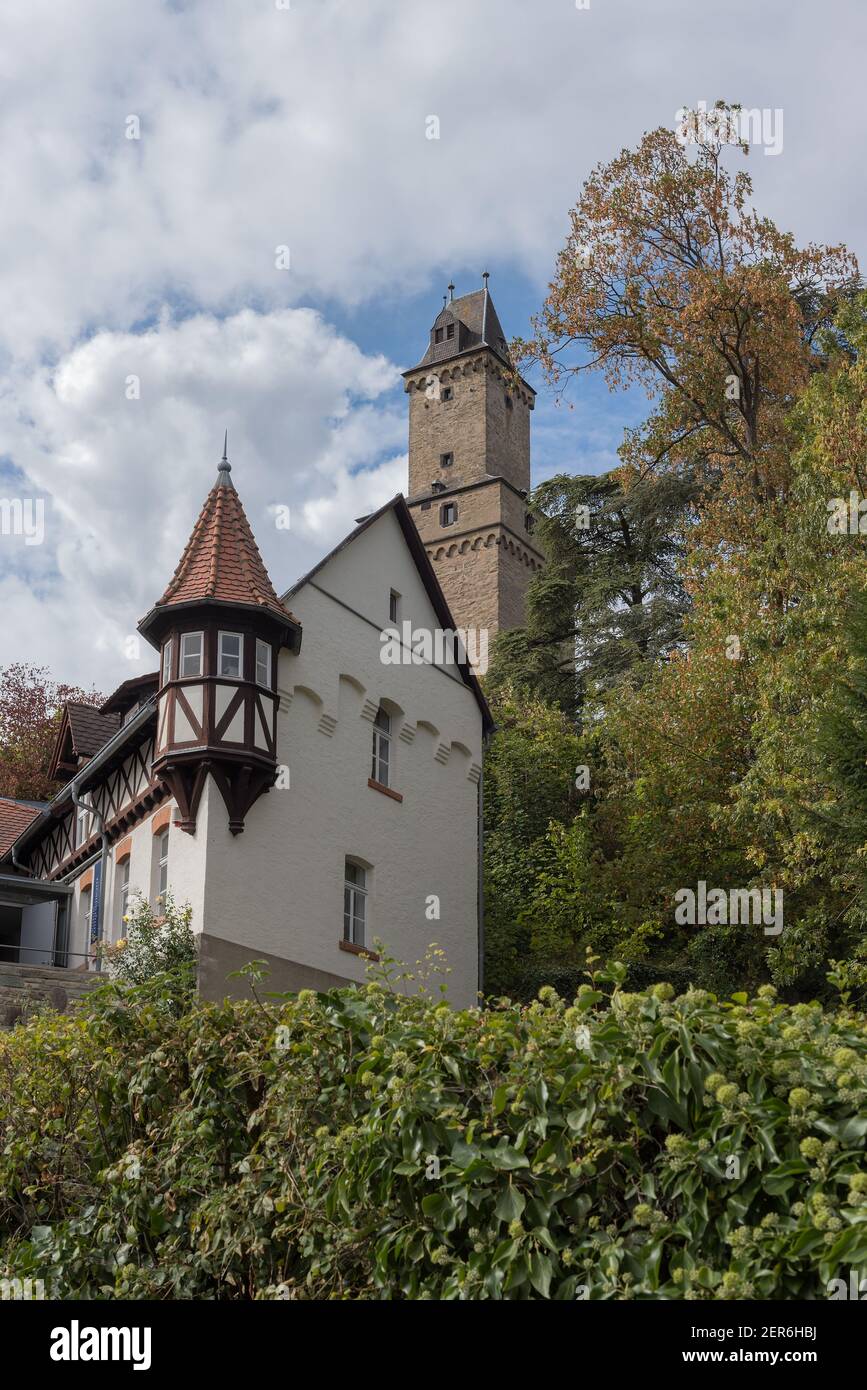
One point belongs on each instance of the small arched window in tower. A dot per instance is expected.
(448, 513)
(529, 523)
(381, 761)
(446, 393)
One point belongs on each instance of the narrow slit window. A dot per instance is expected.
(354, 903)
(393, 605)
(122, 894)
(263, 663)
(162, 864)
(168, 649)
(381, 748)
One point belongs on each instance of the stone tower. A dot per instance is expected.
(469, 465)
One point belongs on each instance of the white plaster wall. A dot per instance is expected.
(278, 887)
(186, 877)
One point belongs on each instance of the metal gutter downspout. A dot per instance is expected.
(18, 865)
(481, 871)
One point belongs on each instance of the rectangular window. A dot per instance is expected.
(122, 894)
(393, 602)
(230, 654)
(192, 644)
(448, 514)
(438, 335)
(263, 662)
(446, 460)
(354, 903)
(82, 827)
(162, 863)
(446, 393)
(167, 660)
(381, 747)
(84, 921)
(450, 330)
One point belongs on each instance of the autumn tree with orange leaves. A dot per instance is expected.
(671, 280)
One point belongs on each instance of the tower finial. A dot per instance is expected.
(224, 467)
(451, 290)
(486, 275)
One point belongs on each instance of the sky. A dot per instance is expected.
(229, 215)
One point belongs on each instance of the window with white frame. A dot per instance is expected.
(354, 903)
(192, 646)
(167, 660)
(162, 863)
(122, 893)
(230, 654)
(263, 663)
(381, 747)
(82, 826)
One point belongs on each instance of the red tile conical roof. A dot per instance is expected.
(221, 559)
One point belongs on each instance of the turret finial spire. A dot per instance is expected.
(224, 467)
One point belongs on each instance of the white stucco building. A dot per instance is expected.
(305, 796)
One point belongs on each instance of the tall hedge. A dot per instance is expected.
(361, 1144)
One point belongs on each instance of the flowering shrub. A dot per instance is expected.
(363, 1144)
(152, 944)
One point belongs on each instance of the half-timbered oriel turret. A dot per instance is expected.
(219, 627)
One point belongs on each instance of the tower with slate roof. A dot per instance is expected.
(469, 464)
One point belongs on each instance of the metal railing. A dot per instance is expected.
(45, 951)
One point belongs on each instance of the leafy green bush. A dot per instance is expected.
(364, 1144)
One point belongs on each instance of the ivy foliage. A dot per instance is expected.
(366, 1144)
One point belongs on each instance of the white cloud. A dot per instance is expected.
(305, 126)
(125, 478)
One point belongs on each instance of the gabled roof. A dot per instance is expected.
(403, 516)
(221, 561)
(82, 732)
(15, 816)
